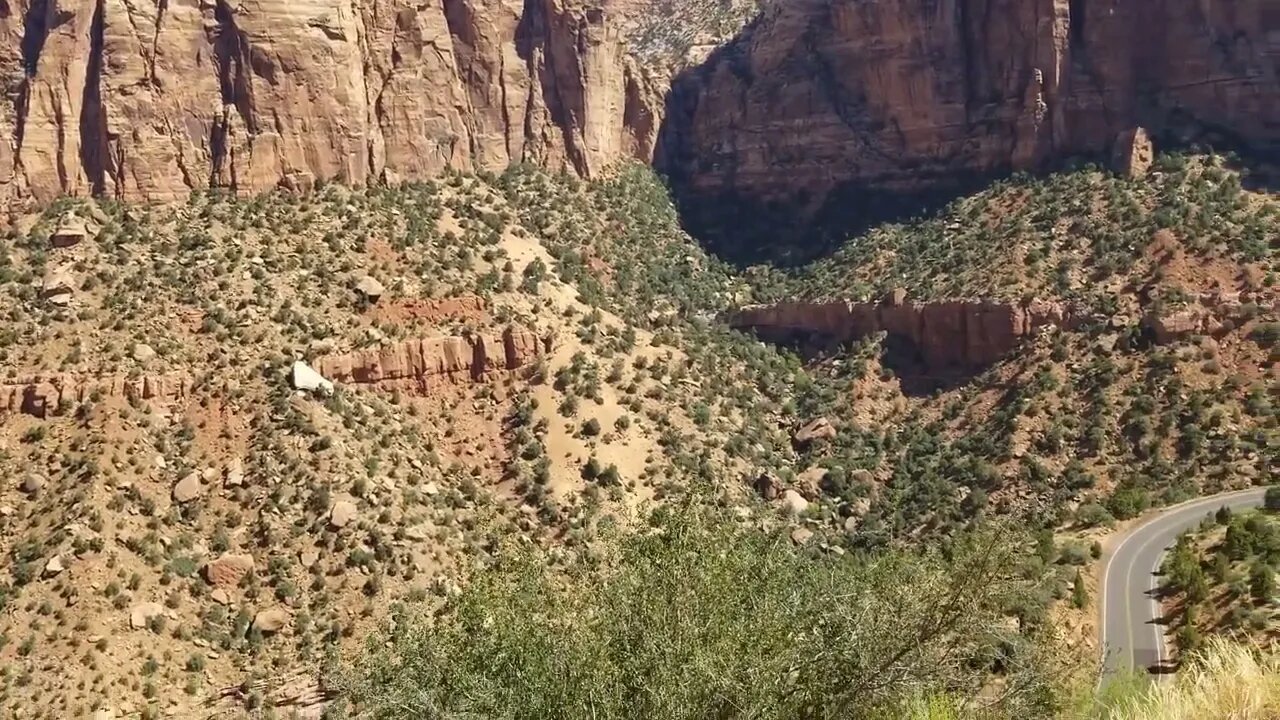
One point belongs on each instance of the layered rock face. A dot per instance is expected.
(907, 95)
(422, 362)
(961, 335)
(45, 395)
(147, 100)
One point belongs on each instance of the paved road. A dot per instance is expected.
(1131, 636)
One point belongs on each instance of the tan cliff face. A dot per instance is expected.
(958, 334)
(142, 100)
(904, 95)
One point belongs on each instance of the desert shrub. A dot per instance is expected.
(701, 619)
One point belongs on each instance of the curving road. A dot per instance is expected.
(1131, 635)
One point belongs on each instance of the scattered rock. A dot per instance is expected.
(308, 558)
(305, 378)
(432, 489)
(234, 473)
(103, 714)
(228, 570)
(70, 232)
(809, 482)
(143, 352)
(58, 285)
(54, 566)
(220, 596)
(768, 486)
(342, 513)
(794, 503)
(272, 620)
(851, 523)
(142, 614)
(1132, 153)
(819, 429)
(188, 488)
(32, 484)
(801, 535)
(369, 288)
(1171, 325)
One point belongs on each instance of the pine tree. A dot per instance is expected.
(1262, 582)
(1079, 596)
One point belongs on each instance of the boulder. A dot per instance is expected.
(143, 352)
(271, 620)
(801, 535)
(369, 288)
(768, 486)
(70, 232)
(809, 482)
(32, 484)
(142, 613)
(54, 566)
(228, 570)
(1171, 325)
(307, 379)
(794, 503)
(815, 430)
(233, 475)
(188, 488)
(58, 285)
(341, 514)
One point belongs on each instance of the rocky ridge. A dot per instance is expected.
(417, 363)
(413, 363)
(148, 102)
(964, 334)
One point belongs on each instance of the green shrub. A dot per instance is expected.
(699, 619)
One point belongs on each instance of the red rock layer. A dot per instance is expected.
(951, 334)
(45, 395)
(424, 361)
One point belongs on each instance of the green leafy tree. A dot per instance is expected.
(698, 618)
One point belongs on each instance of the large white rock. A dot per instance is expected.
(305, 378)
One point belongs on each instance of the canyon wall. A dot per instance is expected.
(149, 99)
(960, 334)
(899, 96)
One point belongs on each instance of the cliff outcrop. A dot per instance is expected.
(878, 97)
(417, 364)
(52, 394)
(957, 335)
(140, 100)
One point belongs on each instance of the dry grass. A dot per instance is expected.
(1229, 681)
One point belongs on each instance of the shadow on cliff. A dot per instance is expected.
(797, 227)
(792, 230)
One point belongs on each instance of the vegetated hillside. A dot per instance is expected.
(179, 520)
(1157, 382)
(1220, 578)
(517, 356)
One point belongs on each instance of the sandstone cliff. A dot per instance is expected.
(44, 395)
(889, 96)
(419, 363)
(964, 335)
(147, 100)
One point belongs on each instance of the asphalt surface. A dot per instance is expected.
(1132, 633)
